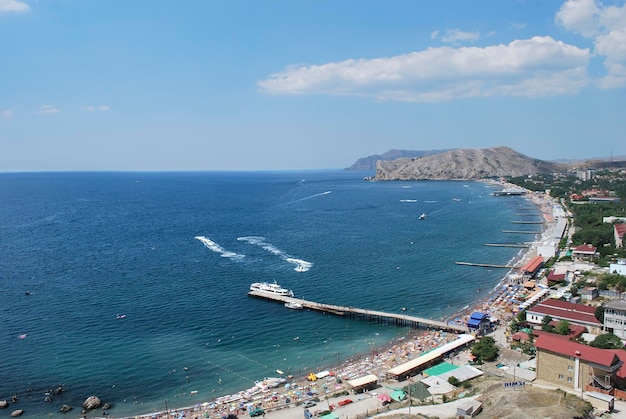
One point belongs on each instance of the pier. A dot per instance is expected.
(487, 265)
(520, 245)
(370, 315)
(521, 231)
(526, 222)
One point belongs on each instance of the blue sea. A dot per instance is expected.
(133, 286)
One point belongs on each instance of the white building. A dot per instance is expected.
(615, 318)
(619, 267)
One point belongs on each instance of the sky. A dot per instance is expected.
(155, 85)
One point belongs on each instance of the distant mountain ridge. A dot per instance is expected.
(369, 162)
(464, 164)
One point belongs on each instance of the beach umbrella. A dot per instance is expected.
(384, 397)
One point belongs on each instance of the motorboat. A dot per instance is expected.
(423, 216)
(271, 288)
(294, 306)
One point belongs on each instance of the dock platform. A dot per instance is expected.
(520, 245)
(370, 315)
(521, 232)
(487, 265)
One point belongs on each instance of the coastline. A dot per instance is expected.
(381, 359)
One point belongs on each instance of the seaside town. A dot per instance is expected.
(548, 340)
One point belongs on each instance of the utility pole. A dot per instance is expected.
(410, 400)
(167, 411)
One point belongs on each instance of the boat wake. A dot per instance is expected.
(211, 245)
(408, 200)
(314, 196)
(300, 265)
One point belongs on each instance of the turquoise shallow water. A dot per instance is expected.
(175, 253)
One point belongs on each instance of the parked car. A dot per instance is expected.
(344, 402)
(309, 403)
(256, 412)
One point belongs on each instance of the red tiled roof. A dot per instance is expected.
(520, 336)
(564, 305)
(587, 249)
(620, 228)
(567, 311)
(555, 277)
(533, 264)
(604, 357)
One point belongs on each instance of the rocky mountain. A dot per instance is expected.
(464, 164)
(369, 163)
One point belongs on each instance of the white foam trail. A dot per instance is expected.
(301, 265)
(314, 196)
(408, 200)
(210, 244)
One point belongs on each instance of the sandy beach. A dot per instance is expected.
(283, 397)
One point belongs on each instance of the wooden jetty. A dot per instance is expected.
(487, 265)
(526, 222)
(370, 315)
(521, 231)
(521, 245)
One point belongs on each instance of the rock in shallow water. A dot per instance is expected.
(92, 402)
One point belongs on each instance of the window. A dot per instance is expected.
(569, 379)
(560, 376)
(570, 368)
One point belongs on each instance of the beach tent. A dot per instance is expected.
(398, 395)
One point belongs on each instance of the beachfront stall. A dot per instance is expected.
(363, 383)
(418, 364)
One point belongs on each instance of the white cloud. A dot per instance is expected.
(7, 113)
(47, 109)
(456, 36)
(580, 16)
(539, 66)
(102, 108)
(7, 6)
(606, 26)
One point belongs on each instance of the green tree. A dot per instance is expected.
(599, 313)
(607, 341)
(563, 327)
(545, 324)
(485, 349)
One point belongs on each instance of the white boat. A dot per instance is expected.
(271, 288)
(294, 306)
(423, 216)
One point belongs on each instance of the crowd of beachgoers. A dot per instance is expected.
(285, 392)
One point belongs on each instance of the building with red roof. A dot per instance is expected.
(584, 251)
(618, 231)
(553, 277)
(575, 314)
(533, 266)
(574, 365)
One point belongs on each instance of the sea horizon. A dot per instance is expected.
(89, 247)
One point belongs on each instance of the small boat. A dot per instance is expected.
(294, 306)
(423, 216)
